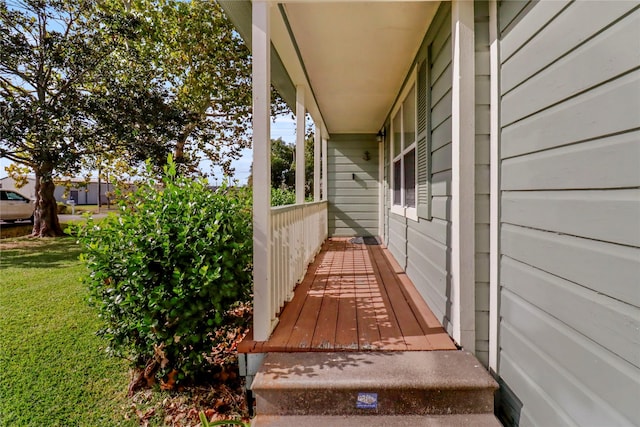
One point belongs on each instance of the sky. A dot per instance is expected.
(284, 127)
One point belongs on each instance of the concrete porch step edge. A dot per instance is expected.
(464, 420)
(400, 383)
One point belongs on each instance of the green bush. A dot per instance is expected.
(166, 272)
(281, 197)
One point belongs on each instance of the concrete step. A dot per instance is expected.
(373, 383)
(464, 420)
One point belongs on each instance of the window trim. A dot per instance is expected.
(401, 209)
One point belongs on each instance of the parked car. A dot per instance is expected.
(14, 206)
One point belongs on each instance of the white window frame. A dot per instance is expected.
(402, 209)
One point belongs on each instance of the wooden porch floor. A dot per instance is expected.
(354, 297)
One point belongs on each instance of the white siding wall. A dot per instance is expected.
(423, 247)
(353, 185)
(570, 220)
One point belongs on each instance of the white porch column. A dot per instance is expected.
(463, 176)
(316, 163)
(381, 199)
(261, 75)
(325, 184)
(494, 199)
(300, 122)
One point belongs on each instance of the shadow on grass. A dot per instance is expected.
(39, 253)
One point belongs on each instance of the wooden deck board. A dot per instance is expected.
(354, 297)
(390, 334)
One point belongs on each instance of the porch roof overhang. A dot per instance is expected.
(351, 57)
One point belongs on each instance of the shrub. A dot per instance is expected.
(62, 208)
(281, 197)
(168, 269)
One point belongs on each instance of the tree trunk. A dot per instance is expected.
(45, 217)
(178, 155)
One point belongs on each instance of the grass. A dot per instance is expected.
(17, 230)
(80, 209)
(54, 371)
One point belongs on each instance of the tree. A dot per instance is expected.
(283, 172)
(195, 48)
(283, 165)
(71, 88)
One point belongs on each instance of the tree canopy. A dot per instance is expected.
(283, 165)
(86, 84)
(207, 67)
(72, 87)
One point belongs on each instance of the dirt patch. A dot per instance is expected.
(222, 401)
(11, 231)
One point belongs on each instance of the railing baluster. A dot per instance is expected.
(297, 234)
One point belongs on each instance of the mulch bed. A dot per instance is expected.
(220, 396)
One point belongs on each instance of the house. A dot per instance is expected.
(81, 191)
(494, 148)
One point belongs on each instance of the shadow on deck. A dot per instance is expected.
(354, 297)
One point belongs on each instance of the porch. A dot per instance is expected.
(354, 297)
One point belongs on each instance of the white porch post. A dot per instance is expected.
(300, 122)
(463, 179)
(325, 184)
(381, 189)
(316, 163)
(261, 74)
(494, 200)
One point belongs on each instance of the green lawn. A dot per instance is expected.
(53, 368)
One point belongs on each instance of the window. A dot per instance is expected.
(403, 155)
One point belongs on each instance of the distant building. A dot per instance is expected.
(80, 191)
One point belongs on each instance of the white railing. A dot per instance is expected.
(297, 234)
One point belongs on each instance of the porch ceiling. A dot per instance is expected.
(356, 55)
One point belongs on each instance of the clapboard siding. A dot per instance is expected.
(535, 20)
(540, 408)
(343, 177)
(582, 261)
(576, 24)
(570, 213)
(612, 324)
(441, 207)
(605, 110)
(428, 246)
(439, 67)
(509, 11)
(581, 166)
(442, 85)
(540, 347)
(441, 110)
(607, 215)
(428, 263)
(398, 238)
(441, 135)
(617, 50)
(441, 159)
(423, 247)
(618, 385)
(441, 184)
(352, 188)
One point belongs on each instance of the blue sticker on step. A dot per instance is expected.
(367, 401)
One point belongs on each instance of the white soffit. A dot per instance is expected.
(357, 55)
